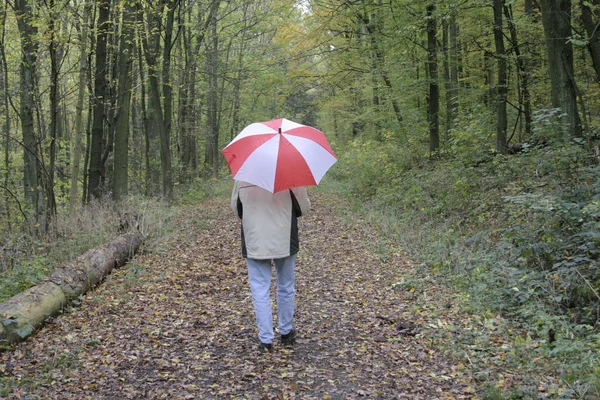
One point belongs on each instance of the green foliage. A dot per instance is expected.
(201, 189)
(519, 235)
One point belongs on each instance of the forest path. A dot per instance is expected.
(178, 323)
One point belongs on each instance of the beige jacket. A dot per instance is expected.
(269, 221)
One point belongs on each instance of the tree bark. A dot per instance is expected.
(78, 133)
(522, 70)
(100, 97)
(453, 67)
(591, 23)
(28, 71)
(501, 86)
(6, 128)
(212, 49)
(121, 159)
(433, 98)
(556, 18)
(151, 49)
(54, 114)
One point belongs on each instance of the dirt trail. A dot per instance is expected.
(177, 323)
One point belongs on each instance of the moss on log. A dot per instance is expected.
(25, 312)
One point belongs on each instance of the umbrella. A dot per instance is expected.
(279, 154)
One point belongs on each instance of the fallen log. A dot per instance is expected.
(79, 276)
(25, 312)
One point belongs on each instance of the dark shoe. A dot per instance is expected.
(289, 338)
(265, 348)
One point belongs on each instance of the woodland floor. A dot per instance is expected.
(177, 323)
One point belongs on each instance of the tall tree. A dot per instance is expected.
(54, 53)
(433, 98)
(212, 61)
(28, 31)
(522, 69)
(151, 48)
(451, 68)
(556, 18)
(82, 26)
(501, 85)
(100, 96)
(121, 162)
(590, 17)
(5, 112)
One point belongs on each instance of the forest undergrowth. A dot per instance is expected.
(517, 236)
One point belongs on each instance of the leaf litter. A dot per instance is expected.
(178, 323)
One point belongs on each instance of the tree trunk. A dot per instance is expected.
(212, 56)
(27, 311)
(453, 68)
(28, 70)
(100, 97)
(591, 23)
(446, 72)
(4, 110)
(145, 119)
(151, 49)
(433, 99)
(501, 87)
(121, 159)
(166, 78)
(556, 18)
(522, 70)
(54, 115)
(78, 133)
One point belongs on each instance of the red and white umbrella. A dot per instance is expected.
(278, 155)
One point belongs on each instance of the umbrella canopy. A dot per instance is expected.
(278, 155)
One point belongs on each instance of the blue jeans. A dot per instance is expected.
(259, 275)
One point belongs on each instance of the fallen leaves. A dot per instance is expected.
(184, 327)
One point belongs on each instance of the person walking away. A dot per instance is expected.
(269, 233)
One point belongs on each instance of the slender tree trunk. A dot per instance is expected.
(556, 18)
(28, 70)
(166, 72)
(591, 23)
(150, 53)
(453, 68)
(121, 161)
(488, 78)
(522, 70)
(100, 97)
(212, 66)
(501, 87)
(188, 151)
(433, 99)
(5, 111)
(78, 133)
(54, 114)
(446, 71)
(145, 119)
(373, 24)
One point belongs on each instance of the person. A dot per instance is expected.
(269, 233)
